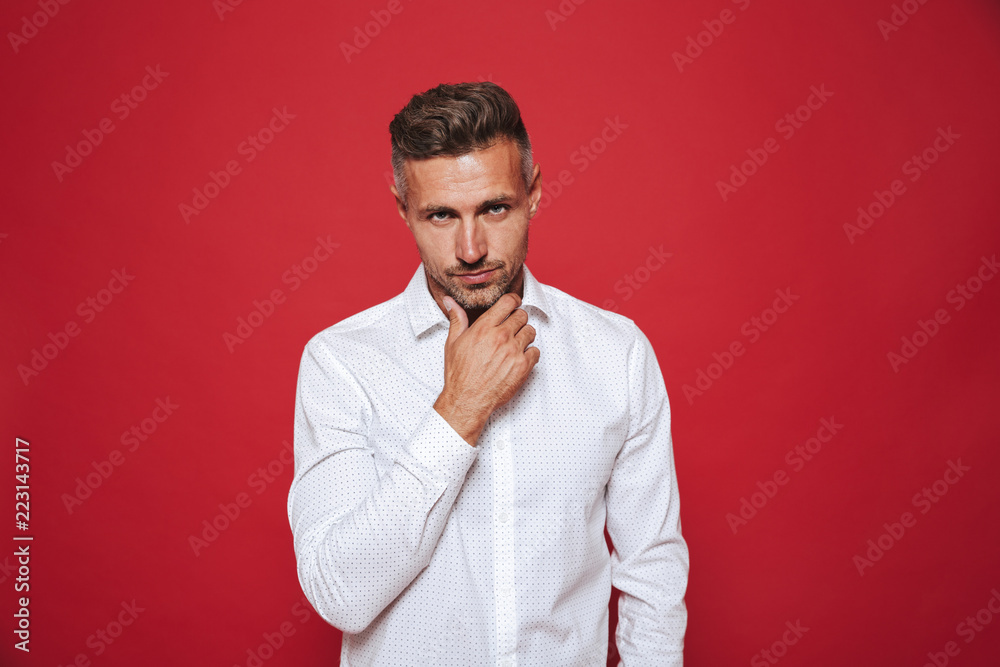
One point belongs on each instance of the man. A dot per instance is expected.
(460, 448)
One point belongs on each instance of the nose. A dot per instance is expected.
(470, 244)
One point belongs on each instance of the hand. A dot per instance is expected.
(485, 364)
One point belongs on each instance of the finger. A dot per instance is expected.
(525, 336)
(458, 321)
(533, 354)
(517, 319)
(499, 311)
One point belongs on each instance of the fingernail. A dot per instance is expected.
(447, 305)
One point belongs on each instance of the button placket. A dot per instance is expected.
(503, 533)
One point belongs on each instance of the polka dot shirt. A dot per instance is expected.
(424, 550)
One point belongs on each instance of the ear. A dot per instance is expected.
(535, 193)
(400, 206)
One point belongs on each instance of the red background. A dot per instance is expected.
(325, 175)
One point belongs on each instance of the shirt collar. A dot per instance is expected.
(424, 312)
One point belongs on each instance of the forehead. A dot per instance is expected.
(465, 179)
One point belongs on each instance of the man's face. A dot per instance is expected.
(469, 215)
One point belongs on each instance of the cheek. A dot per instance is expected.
(511, 237)
(432, 239)
(436, 245)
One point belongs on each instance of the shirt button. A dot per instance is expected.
(504, 517)
(502, 444)
(507, 591)
(506, 663)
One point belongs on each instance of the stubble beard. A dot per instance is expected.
(481, 297)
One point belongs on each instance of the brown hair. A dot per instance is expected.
(453, 120)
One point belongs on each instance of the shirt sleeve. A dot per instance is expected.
(649, 561)
(361, 538)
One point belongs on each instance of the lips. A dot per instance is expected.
(475, 278)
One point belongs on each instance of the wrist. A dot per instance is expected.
(467, 421)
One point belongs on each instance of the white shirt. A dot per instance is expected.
(425, 550)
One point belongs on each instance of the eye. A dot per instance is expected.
(434, 216)
(497, 209)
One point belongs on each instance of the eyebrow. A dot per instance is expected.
(441, 208)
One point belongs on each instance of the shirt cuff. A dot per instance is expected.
(439, 450)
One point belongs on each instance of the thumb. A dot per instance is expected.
(458, 321)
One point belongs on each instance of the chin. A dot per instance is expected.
(478, 297)
(475, 303)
